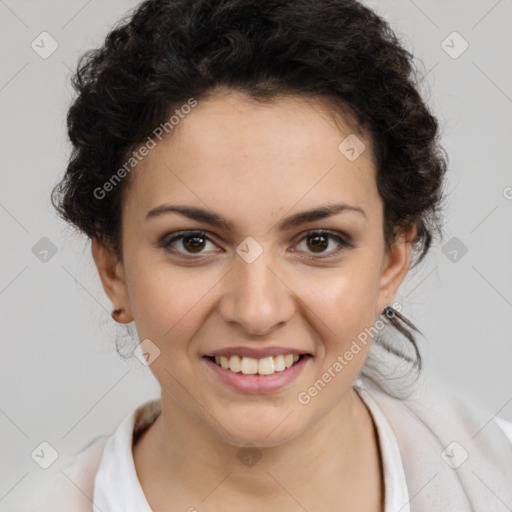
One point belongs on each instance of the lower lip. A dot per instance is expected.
(255, 383)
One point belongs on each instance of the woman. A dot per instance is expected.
(257, 178)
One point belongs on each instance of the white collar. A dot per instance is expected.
(395, 483)
(116, 485)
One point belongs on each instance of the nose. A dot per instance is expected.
(256, 297)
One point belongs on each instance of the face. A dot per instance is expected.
(265, 281)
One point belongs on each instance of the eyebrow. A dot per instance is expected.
(217, 220)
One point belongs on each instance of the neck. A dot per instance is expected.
(323, 467)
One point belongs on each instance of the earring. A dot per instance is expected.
(389, 312)
(116, 312)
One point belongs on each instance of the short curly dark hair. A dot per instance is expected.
(168, 51)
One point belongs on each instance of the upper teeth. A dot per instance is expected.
(250, 365)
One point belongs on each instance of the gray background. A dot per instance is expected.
(61, 378)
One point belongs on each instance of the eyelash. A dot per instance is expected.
(344, 243)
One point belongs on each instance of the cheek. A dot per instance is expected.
(345, 298)
(168, 302)
(344, 307)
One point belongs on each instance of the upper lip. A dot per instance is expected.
(256, 353)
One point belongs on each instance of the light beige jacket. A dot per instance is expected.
(425, 424)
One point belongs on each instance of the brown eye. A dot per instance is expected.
(318, 242)
(186, 242)
(193, 243)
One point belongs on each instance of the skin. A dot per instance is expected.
(255, 164)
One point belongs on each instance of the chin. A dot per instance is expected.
(258, 429)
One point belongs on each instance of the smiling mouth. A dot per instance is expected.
(251, 366)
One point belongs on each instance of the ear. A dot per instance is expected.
(395, 266)
(111, 272)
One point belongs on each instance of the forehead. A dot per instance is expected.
(230, 150)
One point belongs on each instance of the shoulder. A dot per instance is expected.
(431, 401)
(70, 483)
(445, 439)
(452, 436)
(442, 410)
(68, 487)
